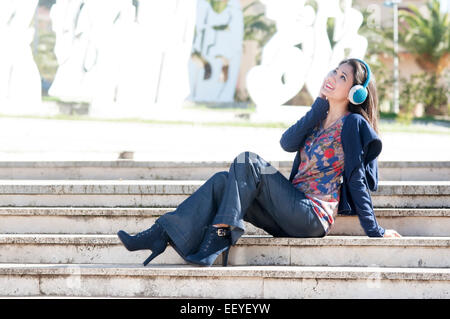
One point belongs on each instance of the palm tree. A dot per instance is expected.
(427, 36)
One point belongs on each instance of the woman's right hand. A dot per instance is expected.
(391, 233)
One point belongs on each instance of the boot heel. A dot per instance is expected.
(215, 242)
(150, 258)
(225, 257)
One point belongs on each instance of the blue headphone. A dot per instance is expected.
(358, 93)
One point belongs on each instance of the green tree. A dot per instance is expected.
(426, 36)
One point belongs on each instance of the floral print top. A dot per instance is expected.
(319, 174)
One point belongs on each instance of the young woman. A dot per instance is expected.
(335, 167)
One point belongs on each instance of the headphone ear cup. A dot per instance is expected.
(357, 94)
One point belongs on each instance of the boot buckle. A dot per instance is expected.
(221, 232)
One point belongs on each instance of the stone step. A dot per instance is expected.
(175, 170)
(163, 193)
(101, 220)
(124, 280)
(422, 252)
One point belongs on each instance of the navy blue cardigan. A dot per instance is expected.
(361, 147)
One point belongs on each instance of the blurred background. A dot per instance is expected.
(78, 77)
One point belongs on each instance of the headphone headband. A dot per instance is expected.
(366, 83)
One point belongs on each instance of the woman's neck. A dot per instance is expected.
(335, 112)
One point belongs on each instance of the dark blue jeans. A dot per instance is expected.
(253, 191)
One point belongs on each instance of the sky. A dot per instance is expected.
(445, 5)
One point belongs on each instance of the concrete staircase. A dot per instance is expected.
(58, 222)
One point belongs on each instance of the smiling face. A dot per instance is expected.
(338, 83)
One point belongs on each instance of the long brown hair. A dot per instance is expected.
(369, 108)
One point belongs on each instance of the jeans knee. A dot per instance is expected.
(252, 160)
(246, 157)
(220, 177)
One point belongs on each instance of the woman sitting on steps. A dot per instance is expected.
(334, 168)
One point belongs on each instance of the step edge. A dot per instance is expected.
(157, 211)
(246, 240)
(172, 163)
(270, 272)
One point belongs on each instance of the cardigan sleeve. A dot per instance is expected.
(361, 145)
(294, 137)
(363, 203)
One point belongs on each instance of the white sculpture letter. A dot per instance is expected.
(283, 66)
(124, 60)
(20, 82)
(300, 52)
(217, 51)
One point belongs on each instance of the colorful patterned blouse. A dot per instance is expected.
(319, 174)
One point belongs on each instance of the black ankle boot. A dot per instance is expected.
(217, 240)
(155, 238)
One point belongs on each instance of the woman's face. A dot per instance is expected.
(338, 83)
